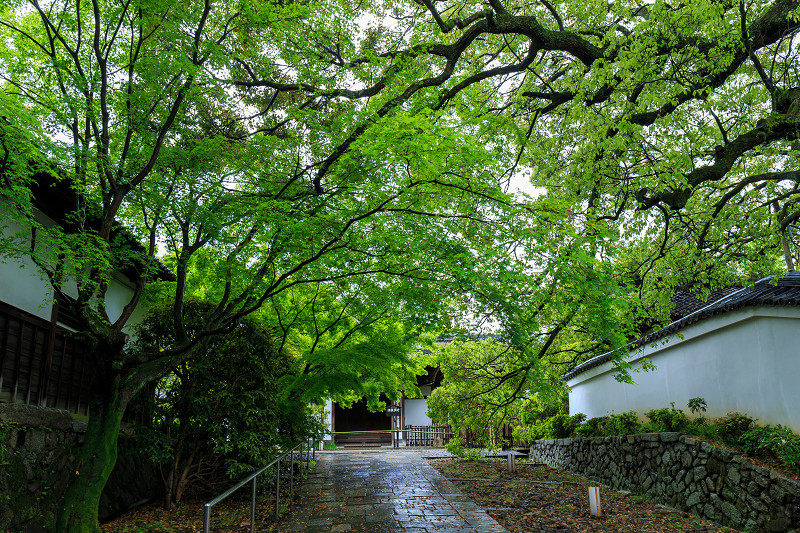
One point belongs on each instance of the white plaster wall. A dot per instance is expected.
(21, 282)
(416, 412)
(746, 361)
(23, 285)
(118, 295)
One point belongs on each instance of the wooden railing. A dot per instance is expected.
(427, 435)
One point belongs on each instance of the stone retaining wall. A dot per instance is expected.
(38, 456)
(684, 473)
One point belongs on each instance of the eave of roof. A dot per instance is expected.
(56, 200)
(765, 292)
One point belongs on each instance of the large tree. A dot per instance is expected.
(368, 143)
(146, 110)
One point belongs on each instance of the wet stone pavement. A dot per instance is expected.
(383, 490)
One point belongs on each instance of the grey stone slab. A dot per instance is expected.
(383, 491)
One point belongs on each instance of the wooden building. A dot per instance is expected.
(43, 360)
(357, 426)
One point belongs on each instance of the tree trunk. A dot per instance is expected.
(787, 249)
(96, 459)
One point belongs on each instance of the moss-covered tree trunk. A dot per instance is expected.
(79, 508)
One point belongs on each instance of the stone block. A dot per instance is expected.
(686, 459)
(669, 436)
(693, 500)
(36, 417)
(757, 505)
(790, 486)
(733, 474)
(700, 473)
(777, 494)
(35, 441)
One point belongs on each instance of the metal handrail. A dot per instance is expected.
(384, 431)
(207, 507)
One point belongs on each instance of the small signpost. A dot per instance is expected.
(394, 412)
(594, 501)
(512, 465)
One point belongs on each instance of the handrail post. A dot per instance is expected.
(206, 518)
(291, 478)
(253, 508)
(277, 487)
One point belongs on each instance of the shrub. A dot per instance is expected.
(697, 405)
(770, 442)
(626, 423)
(732, 426)
(560, 426)
(667, 419)
(594, 427)
(457, 448)
(603, 426)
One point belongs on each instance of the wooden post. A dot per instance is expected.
(594, 501)
(512, 465)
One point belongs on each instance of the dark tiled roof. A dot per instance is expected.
(58, 201)
(687, 302)
(786, 292)
(447, 339)
(432, 376)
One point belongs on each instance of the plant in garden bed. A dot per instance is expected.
(732, 426)
(773, 442)
(667, 419)
(778, 445)
(620, 424)
(560, 426)
(457, 448)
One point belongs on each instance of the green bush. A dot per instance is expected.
(667, 419)
(732, 426)
(776, 443)
(627, 423)
(697, 405)
(594, 427)
(603, 426)
(457, 448)
(773, 442)
(560, 426)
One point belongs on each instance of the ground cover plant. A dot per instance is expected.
(187, 517)
(539, 499)
(230, 515)
(776, 446)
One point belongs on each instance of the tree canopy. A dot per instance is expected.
(373, 148)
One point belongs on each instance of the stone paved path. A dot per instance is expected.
(383, 491)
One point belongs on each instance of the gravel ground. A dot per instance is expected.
(539, 499)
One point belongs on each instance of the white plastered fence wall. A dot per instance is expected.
(24, 286)
(416, 412)
(746, 361)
